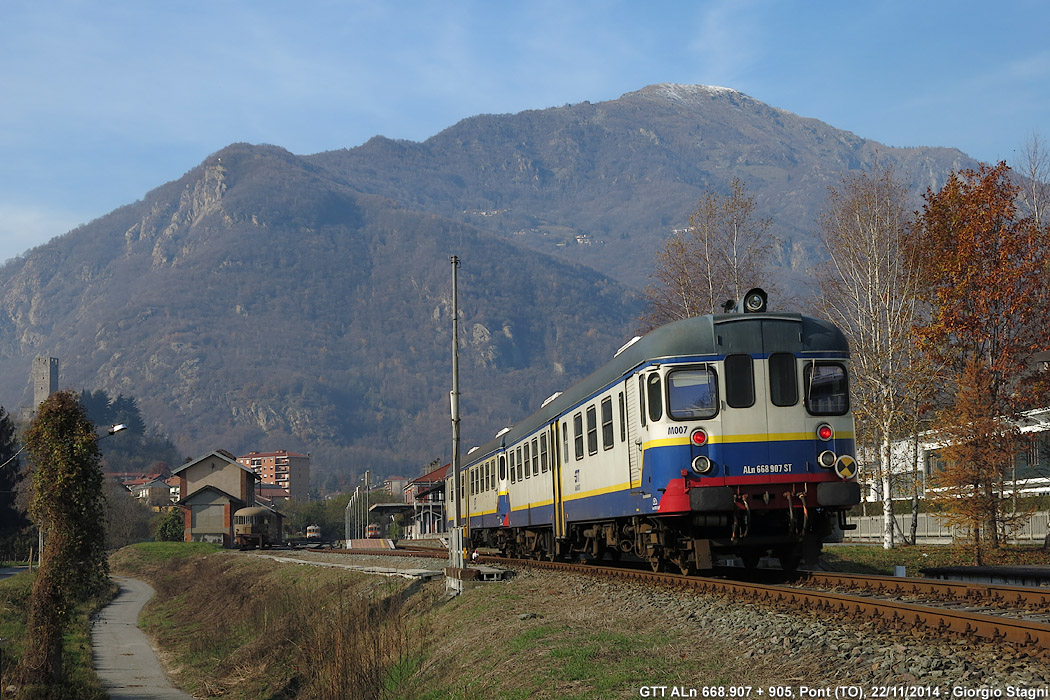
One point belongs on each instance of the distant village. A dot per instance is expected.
(212, 488)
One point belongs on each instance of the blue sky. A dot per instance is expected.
(100, 102)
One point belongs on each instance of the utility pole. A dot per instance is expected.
(454, 584)
(364, 504)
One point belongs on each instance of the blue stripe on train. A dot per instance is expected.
(661, 465)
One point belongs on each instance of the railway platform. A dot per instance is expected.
(415, 573)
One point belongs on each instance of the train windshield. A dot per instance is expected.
(692, 394)
(827, 393)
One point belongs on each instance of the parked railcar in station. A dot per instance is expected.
(726, 434)
(256, 527)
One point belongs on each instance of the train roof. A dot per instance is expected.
(715, 335)
(253, 510)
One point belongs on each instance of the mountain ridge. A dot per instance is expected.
(267, 300)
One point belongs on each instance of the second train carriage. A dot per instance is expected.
(721, 434)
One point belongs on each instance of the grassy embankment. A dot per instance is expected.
(246, 627)
(251, 628)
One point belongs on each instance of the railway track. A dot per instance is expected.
(992, 613)
(1007, 601)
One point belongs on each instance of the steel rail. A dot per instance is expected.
(936, 588)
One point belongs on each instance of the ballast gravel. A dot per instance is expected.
(905, 662)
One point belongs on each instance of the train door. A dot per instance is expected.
(634, 432)
(782, 378)
(555, 475)
(503, 493)
(744, 449)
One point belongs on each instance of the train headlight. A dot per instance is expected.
(699, 437)
(701, 464)
(827, 459)
(825, 432)
(754, 301)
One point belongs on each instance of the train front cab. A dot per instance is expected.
(749, 451)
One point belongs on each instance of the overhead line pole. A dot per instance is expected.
(455, 550)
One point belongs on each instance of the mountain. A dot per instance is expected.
(256, 303)
(266, 300)
(604, 184)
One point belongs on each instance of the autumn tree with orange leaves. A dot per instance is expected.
(983, 268)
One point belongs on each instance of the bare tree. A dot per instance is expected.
(869, 292)
(1034, 166)
(725, 251)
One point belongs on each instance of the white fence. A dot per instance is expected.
(933, 530)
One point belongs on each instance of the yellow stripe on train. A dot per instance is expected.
(754, 437)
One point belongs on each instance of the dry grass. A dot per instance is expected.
(243, 627)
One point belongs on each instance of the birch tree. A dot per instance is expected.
(1034, 166)
(868, 290)
(725, 251)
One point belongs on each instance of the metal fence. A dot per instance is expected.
(933, 530)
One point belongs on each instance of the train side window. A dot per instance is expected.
(592, 430)
(513, 465)
(535, 456)
(623, 418)
(528, 472)
(827, 392)
(543, 453)
(502, 468)
(488, 475)
(740, 381)
(607, 424)
(577, 434)
(783, 379)
(520, 474)
(692, 393)
(565, 440)
(654, 397)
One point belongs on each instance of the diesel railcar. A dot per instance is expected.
(255, 526)
(722, 435)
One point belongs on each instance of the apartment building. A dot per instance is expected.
(288, 470)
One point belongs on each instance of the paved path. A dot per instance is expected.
(11, 570)
(124, 658)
